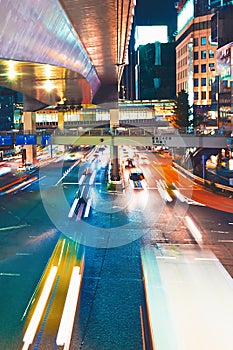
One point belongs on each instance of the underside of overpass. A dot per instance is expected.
(64, 51)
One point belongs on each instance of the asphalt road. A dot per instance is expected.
(115, 229)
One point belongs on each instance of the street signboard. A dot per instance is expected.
(25, 139)
(6, 140)
(46, 139)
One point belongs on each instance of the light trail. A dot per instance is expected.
(13, 227)
(87, 210)
(193, 229)
(73, 207)
(36, 317)
(60, 257)
(92, 178)
(68, 315)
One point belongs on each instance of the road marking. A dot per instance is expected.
(225, 240)
(13, 227)
(206, 259)
(23, 254)
(9, 274)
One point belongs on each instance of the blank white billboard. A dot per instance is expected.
(150, 34)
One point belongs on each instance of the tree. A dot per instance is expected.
(181, 111)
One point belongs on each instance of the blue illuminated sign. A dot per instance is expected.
(25, 139)
(46, 139)
(6, 140)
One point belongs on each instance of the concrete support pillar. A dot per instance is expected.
(114, 122)
(114, 118)
(30, 128)
(60, 115)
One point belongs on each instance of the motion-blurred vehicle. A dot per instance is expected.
(5, 169)
(143, 159)
(26, 167)
(137, 179)
(73, 156)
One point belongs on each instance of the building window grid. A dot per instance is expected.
(210, 54)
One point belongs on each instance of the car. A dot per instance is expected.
(143, 160)
(137, 179)
(26, 167)
(73, 156)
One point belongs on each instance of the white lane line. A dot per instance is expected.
(24, 254)
(13, 227)
(72, 209)
(230, 223)
(225, 240)
(206, 259)
(9, 274)
(36, 317)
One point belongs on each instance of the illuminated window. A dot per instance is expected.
(203, 54)
(195, 55)
(211, 54)
(195, 68)
(211, 67)
(203, 40)
(203, 68)
(203, 81)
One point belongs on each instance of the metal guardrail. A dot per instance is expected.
(201, 180)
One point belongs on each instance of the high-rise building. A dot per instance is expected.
(195, 62)
(203, 27)
(7, 99)
(151, 70)
(156, 71)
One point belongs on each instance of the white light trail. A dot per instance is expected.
(193, 229)
(87, 208)
(68, 315)
(36, 317)
(92, 178)
(81, 179)
(72, 209)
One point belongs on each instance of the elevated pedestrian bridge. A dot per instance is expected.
(64, 50)
(133, 137)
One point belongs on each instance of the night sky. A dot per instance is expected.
(152, 12)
